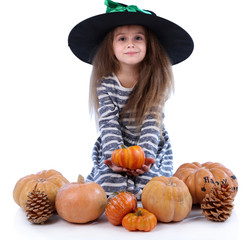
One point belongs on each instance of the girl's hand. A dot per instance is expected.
(145, 168)
(114, 167)
(136, 172)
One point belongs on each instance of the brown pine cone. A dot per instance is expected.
(38, 207)
(217, 206)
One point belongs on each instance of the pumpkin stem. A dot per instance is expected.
(81, 179)
(139, 213)
(171, 183)
(123, 146)
(41, 179)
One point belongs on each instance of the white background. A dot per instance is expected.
(44, 119)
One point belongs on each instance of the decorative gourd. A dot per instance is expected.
(81, 202)
(119, 205)
(141, 220)
(132, 157)
(200, 178)
(168, 198)
(49, 181)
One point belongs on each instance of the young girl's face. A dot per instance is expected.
(129, 44)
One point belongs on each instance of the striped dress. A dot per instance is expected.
(113, 133)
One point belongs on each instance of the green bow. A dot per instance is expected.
(116, 7)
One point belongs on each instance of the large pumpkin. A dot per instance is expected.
(81, 202)
(200, 178)
(49, 181)
(168, 198)
(132, 157)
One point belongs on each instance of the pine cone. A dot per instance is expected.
(217, 206)
(38, 207)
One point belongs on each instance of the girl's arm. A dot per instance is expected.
(109, 127)
(149, 140)
(149, 137)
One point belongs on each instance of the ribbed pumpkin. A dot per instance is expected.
(200, 178)
(141, 220)
(168, 198)
(132, 157)
(118, 205)
(49, 181)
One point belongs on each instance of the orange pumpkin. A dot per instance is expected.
(132, 157)
(200, 178)
(168, 198)
(49, 181)
(119, 205)
(141, 220)
(81, 202)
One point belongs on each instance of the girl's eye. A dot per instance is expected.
(139, 38)
(121, 39)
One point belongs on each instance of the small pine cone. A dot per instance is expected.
(38, 207)
(217, 206)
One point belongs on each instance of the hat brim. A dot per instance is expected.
(85, 37)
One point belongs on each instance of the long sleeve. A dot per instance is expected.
(110, 130)
(150, 136)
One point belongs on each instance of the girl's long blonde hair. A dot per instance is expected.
(154, 85)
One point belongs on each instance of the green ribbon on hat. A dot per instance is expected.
(117, 7)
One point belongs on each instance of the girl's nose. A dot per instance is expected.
(130, 45)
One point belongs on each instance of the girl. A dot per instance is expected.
(132, 51)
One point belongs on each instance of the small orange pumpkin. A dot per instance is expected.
(141, 220)
(49, 181)
(119, 205)
(200, 178)
(168, 198)
(132, 157)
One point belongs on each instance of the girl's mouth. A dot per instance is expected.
(131, 53)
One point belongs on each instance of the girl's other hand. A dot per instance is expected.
(145, 168)
(114, 167)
